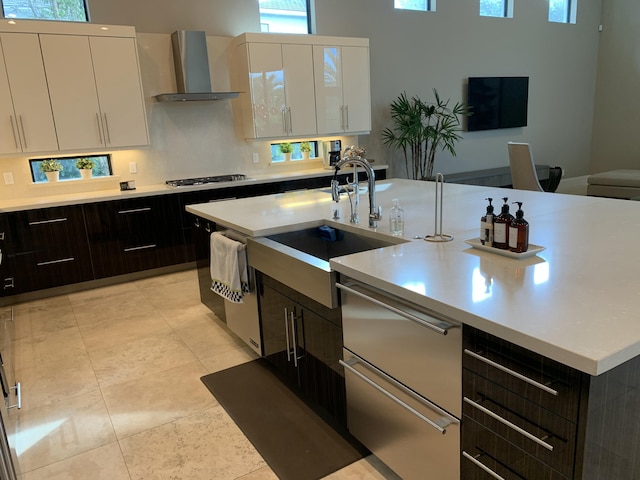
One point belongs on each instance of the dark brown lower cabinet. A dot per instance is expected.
(303, 340)
(526, 416)
(135, 234)
(45, 248)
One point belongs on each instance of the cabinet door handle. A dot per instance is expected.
(24, 136)
(51, 262)
(107, 134)
(16, 134)
(99, 123)
(509, 424)
(408, 316)
(52, 220)
(294, 338)
(290, 120)
(284, 120)
(511, 372)
(346, 112)
(18, 389)
(482, 466)
(143, 247)
(286, 332)
(446, 418)
(134, 210)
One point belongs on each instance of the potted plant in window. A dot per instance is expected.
(51, 168)
(305, 148)
(286, 148)
(85, 165)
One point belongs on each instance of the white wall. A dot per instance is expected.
(410, 51)
(617, 104)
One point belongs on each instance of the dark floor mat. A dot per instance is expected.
(295, 442)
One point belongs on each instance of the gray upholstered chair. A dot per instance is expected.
(523, 170)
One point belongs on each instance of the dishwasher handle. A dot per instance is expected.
(449, 420)
(402, 313)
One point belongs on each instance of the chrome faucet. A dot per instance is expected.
(375, 213)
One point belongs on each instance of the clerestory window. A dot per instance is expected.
(62, 10)
(421, 5)
(563, 11)
(496, 8)
(285, 16)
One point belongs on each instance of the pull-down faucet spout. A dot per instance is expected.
(375, 213)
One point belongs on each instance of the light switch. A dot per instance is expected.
(8, 178)
(256, 158)
(133, 167)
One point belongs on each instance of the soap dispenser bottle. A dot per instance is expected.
(501, 227)
(519, 232)
(396, 218)
(486, 226)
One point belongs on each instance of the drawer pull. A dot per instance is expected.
(51, 262)
(511, 372)
(44, 222)
(135, 210)
(513, 426)
(482, 466)
(408, 316)
(446, 418)
(143, 247)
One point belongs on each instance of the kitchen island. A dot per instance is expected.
(575, 303)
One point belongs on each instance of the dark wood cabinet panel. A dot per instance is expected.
(47, 248)
(303, 345)
(500, 456)
(135, 234)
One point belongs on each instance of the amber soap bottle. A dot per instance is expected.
(519, 232)
(501, 225)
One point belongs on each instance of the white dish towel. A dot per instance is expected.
(228, 267)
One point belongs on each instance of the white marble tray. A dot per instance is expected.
(533, 249)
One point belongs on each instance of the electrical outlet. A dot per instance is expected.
(256, 158)
(133, 167)
(8, 178)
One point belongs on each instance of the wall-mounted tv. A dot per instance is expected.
(497, 102)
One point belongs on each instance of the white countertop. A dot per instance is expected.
(576, 302)
(65, 198)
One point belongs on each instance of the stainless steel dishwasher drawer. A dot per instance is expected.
(416, 348)
(415, 438)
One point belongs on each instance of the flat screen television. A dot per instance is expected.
(497, 102)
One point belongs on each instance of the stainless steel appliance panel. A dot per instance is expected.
(411, 435)
(415, 347)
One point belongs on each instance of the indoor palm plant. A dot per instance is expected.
(85, 165)
(422, 128)
(51, 168)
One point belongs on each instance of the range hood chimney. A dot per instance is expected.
(191, 62)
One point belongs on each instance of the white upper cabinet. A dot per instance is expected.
(281, 91)
(31, 126)
(115, 64)
(289, 90)
(94, 85)
(343, 94)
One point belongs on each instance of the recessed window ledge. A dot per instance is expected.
(78, 181)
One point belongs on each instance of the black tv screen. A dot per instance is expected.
(497, 102)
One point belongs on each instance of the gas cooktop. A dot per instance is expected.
(189, 182)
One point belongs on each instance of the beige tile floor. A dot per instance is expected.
(111, 388)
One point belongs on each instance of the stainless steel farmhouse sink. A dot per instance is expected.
(300, 258)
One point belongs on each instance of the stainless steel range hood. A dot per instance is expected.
(191, 62)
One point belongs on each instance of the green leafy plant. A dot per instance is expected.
(286, 147)
(50, 165)
(84, 163)
(305, 147)
(422, 128)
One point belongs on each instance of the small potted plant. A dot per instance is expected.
(85, 165)
(286, 148)
(51, 168)
(305, 148)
